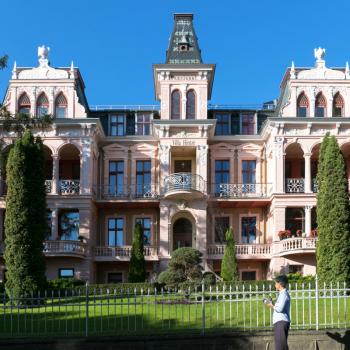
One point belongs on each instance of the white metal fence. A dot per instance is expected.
(88, 311)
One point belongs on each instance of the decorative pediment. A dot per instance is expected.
(222, 146)
(115, 149)
(143, 147)
(250, 147)
(43, 73)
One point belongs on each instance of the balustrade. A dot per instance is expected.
(69, 187)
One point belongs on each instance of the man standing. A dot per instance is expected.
(281, 317)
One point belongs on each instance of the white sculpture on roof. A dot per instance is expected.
(319, 54)
(43, 52)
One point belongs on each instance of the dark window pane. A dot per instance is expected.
(191, 105)
(175, 104)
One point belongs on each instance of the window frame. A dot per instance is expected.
(66, 268)
(116, 173)
(143, 173)
(257, 236)
(172, 105)
(144, 217)
(193, 115)
(39, 105)
(225, 216)
(61, 105)
(116, 230)
(116, 124)
(143, 124)
(220, 124)
(253, 124)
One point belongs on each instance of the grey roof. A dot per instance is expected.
(183, 46)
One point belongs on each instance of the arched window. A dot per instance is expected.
(175, 104)
(302, 105)
(338, 105)
(42, 105)
(24, 104)
(191, 105)
(60, 106)
(320, 106)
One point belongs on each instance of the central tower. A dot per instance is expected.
(183, 86)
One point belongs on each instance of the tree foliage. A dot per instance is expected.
(25, 220)
(333, 214)
(137, 266)
(3, 61)
(184, 266)
(229, 261)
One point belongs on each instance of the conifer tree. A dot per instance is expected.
(25, 220)
(229, 261)
(137, 267)
(333, 214)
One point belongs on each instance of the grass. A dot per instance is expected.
(113, 314)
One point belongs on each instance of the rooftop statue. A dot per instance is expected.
(43, 52)
(319, 53)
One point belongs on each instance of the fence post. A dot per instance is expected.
(86, 310)
(316, 299)
(203, 309)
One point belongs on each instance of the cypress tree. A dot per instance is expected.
(229, 261)
(137, 266)
(333, 214)
(25, 220)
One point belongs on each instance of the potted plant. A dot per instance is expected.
(288, 233)
(299, 233)
(313, 233)
(282, 234)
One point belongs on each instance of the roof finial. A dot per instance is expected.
(71, 72)
(292, 71)
(14, 70)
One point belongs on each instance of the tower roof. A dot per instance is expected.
(183, 46)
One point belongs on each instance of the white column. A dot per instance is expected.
(312, 107)
(164, 232)
(202, 164)
(279, 221)
(183, 101)
(164, 165)
(307, 185)
(279, 160)
(54, 224)
(55, 173)
(308, 209)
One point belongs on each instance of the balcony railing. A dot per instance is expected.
(249, 250)
(48, 186)
(314, 185)
(126, 192)
(184, 182)
(65, 248)
(295, 185)
(255, 190)
(69, 187)
(295, 245)
(124, 252)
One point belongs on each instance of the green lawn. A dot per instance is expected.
(163, 313)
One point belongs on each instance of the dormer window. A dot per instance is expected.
(338, 105)
(24, 104)
(302, 105)
(183, 44)
(42, 105)
(320, 106)
(61, 106)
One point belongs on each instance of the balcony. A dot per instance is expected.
(184, 186)
(314, 185)
(295, 185)
(123, 253)
(65, 248)
(232, 191)
(243, 251)
(292, 246)
(126, 192)
(69, 187)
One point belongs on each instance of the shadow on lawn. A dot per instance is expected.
(345, 339)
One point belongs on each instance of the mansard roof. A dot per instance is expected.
(183, 46)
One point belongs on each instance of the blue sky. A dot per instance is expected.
(115, 43)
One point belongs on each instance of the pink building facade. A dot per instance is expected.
(185, 169)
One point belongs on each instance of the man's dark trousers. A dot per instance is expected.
(281, 329)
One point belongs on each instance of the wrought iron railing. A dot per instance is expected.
(127, 192)
(184, 182)
(48, 186)
(314, 185)
(69, 186)
(239, 190)
(65, 246)
(295, 185)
